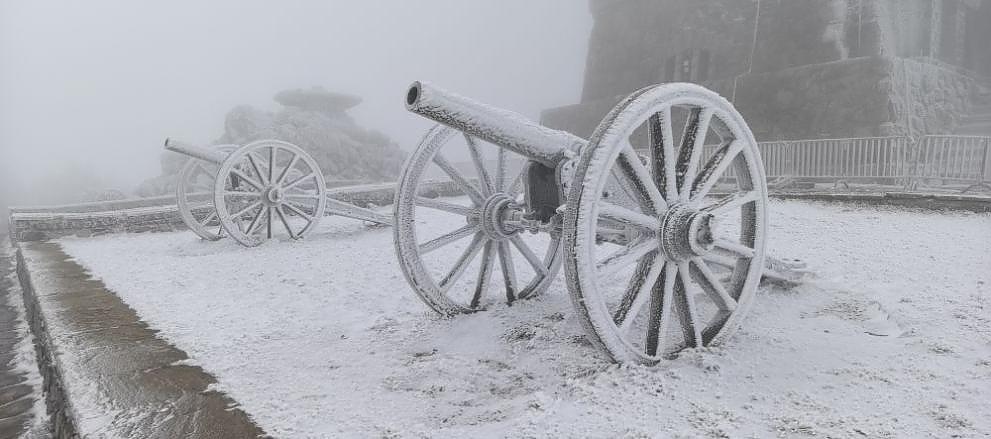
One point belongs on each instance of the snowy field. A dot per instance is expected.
(323, 338)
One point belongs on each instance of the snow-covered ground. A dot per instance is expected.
(323, 338)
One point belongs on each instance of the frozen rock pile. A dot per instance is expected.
(315, 120)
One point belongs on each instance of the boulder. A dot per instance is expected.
(313, 119)
(317, 99)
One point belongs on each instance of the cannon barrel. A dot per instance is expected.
(500, 127)
(209, 155)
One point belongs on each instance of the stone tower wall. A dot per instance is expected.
(796, 69)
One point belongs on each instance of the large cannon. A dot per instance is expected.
(255, 191)
(661, 233)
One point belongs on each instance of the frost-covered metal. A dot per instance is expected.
(657, 257)
(504, 128)
(255, 191)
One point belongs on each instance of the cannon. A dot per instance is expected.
(661, 233)
(256, 191)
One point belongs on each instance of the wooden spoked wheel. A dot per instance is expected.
(193, 196)
(439, 240)
(668, 255)
(268, 188)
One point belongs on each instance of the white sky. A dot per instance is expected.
(100, 84)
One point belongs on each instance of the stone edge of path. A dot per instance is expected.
(160, 214)
(105, 372)
(914, 200)
(22, 411)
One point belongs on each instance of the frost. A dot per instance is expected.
(324, 338)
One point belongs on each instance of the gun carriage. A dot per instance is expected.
(655, 258)
(255, 192)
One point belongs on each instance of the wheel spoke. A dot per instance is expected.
(285, 172)
(714, 169)
(516, 186)
(638, 176)
(212, 216)
(298, 211)
(254, 222)
(254, 166)
(735, 248)
(692, 144)
(488, 261)
(638, 291)
(734, 201)
(625, 257)
(273, 152)
(250, 207)
(711, 285)
(201, 168)
(720, 260)
(449, 238)
(500, 180)
(249, 180)
(508, 271)
(459, 179)
(268, 222)
(661, 298)
(628, 217)
(285, 222)
(687, 310)
(297, 181)
(242, 194)
(462, 263)
(484, 180)
(194, 177)
(305, 196)
(535, 262)
(446, 207)
(663, 157)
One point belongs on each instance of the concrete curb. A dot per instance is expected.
(105, 372)
(61, 414)
(969, 203)
(40, 223)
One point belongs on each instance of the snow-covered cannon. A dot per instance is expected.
(661, 233)
(255, 191)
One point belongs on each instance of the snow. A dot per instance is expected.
(24, 354)
(323, 338)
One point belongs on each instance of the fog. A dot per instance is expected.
(89, 90)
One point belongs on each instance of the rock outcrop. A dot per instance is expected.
(314, 119)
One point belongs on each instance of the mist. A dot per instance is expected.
(91, 89)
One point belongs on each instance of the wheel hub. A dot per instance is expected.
(497, 209)
(686, 233)
(274, 195)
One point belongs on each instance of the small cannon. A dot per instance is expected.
(253, 191)
(656, 259)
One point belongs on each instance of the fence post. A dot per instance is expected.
(908, 167)
(984, 168)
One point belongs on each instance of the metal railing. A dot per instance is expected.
(952, 159)
(883, 160)
(936, 160)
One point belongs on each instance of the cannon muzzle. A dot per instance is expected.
(500, 127)
(209, 155)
